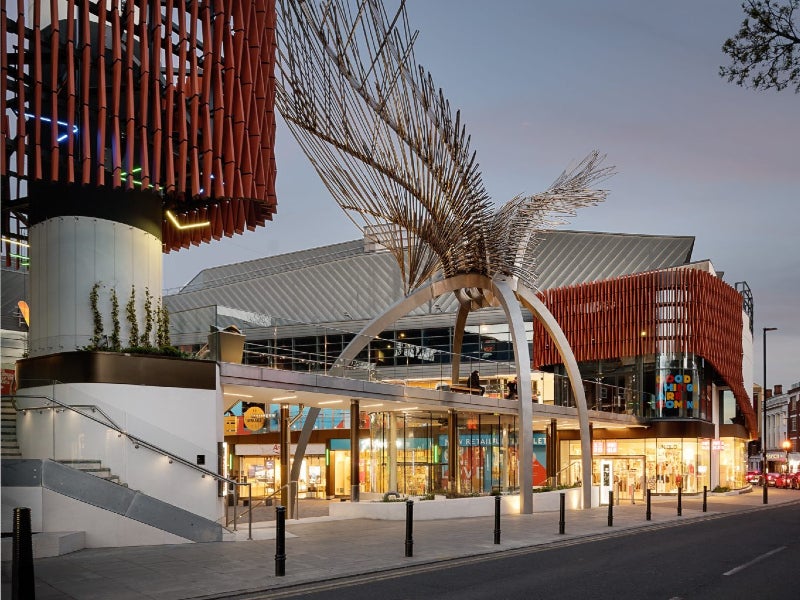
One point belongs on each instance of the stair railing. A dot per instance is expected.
(138, 442)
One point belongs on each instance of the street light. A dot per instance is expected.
(786, 447)
(764, 413)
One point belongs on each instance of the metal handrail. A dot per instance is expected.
(560, 471)
(139, 442)
(295, 500)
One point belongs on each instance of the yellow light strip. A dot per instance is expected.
(177, 225)
(17, 242)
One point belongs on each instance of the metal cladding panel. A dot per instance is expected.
(347, 276)
(170, 96)
(355, 286)
(572, 257)
(676, 310)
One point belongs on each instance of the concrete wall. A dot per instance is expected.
(68, 256)
(185, 422)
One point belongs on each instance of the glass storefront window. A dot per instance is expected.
(732, 463)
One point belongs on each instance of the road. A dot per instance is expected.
(748, 555)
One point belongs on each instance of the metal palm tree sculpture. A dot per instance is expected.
(385, 142)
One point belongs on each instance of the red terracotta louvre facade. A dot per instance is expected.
(170, 96)
(677, 311)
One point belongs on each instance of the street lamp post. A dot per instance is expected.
(786, 446)
(764, 414)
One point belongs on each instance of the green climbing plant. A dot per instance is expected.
(162, 329)
(94, 296)
(130, 312)
(148, 319)
(115, 343)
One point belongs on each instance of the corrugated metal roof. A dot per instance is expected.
(571, 257)
(344, 282)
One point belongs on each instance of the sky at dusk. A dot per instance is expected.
(542, 84)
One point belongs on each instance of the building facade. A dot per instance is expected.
(649, 350)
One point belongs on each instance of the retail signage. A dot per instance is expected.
(604, 447)
(717, 445)
(230, 425)
(275, 449)
(675, 390)
(8, 381)
(776, 456)
(254, 418)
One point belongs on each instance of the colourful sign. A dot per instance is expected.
(675, 391)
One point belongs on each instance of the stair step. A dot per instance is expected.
(81, 464)
(93, 467)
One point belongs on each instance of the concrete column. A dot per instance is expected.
(392, 452)
(355, 486)
(81, 238)
(504, 480)
(452, 449)
(552, 452)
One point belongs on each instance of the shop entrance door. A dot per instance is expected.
(340, 461)
(622, 475)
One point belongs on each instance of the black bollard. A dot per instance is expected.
(561, 520)
(680, 488)
(610, 509)
(409, 528)
(22, 582)
(648, 514)
(705, 499)
(497, 519)
(280, 541)
(765, 488)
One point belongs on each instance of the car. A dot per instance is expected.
(753, 477)
(771, 477)
(784, 480)
(795, 483)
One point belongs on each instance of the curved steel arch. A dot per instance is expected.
(509, 294)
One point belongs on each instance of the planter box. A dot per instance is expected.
(117, 367)
(455, 508)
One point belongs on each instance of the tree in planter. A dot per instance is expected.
(115, 343)
(96, 316)
(148, 319)
(130, 310)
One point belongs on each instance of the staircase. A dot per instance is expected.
(10, 445)
(93, 467)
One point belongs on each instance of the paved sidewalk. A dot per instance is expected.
(320, 549)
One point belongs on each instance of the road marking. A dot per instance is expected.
(754, 561)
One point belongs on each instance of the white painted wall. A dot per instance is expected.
(185, 422)
(68, 256)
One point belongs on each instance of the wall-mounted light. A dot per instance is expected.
(177, 225)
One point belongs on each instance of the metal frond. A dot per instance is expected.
(397, 160)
